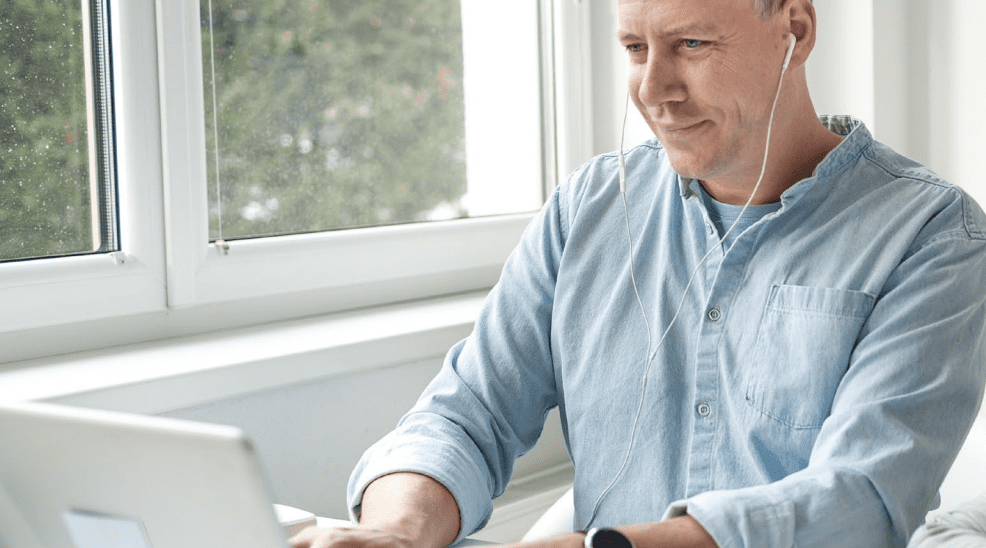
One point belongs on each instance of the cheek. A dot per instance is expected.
(722, 79)
(732, 88)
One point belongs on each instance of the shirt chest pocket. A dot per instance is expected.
(802, 351)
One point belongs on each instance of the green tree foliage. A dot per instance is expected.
(332, 113)
(44, 179)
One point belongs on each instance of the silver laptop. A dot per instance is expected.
(80, 478)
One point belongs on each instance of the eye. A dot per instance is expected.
(635, 48)
(692, 44)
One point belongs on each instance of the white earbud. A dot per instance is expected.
(790, 52)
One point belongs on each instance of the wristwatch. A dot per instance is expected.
(601, 537)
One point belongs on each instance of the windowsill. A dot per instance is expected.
(154, 377)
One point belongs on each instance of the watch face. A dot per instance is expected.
(607, 538)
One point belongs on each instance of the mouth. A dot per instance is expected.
(683, 129)
(684, 134)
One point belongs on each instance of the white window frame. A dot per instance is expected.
(53, 291)
(167, 280)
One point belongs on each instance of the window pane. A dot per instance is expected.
(49, 194)
(326, 114)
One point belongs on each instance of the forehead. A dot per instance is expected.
(673, 17)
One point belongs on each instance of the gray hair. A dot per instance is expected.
(767, 8)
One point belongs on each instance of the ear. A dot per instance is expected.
(799, 16)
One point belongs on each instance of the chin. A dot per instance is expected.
(688, 168)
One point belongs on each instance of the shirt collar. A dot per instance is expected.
(855, 138)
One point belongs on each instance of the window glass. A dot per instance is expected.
(49, 198)
(327, 114)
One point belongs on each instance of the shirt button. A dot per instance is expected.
(704, 409)
(715, 314)
(708, 226)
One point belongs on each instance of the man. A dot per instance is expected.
(798, 372)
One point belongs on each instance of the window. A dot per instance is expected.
(341, 114)
(56, 164)
(437, 139)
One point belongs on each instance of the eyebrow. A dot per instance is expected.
(684, 29)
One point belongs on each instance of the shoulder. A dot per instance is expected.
(591, 196)
(948, 209)
(864, 178)
(599, 178)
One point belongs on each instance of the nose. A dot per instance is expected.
(658, 84)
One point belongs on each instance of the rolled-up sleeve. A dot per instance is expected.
(488, 404)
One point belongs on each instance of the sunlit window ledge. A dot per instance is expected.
(158, 376)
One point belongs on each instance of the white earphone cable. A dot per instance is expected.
(633, 278)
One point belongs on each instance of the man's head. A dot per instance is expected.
(704, 74)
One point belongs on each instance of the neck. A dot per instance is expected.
(799, 142)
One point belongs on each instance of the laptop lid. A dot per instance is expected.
(76, 478)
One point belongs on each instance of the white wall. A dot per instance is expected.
(913, 70)
(957, 80)
(840, 69)
(309, 436)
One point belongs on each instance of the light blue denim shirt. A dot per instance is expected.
(814, 391)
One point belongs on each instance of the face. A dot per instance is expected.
(704, 74)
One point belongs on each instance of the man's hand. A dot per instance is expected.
(348, 537)
(402, 510)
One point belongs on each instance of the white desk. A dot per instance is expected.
(332, 522)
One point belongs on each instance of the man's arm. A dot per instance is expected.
(489, 402)
(679, 532)
(401, 510)
(408, 510)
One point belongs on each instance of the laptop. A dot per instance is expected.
(82, 478)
